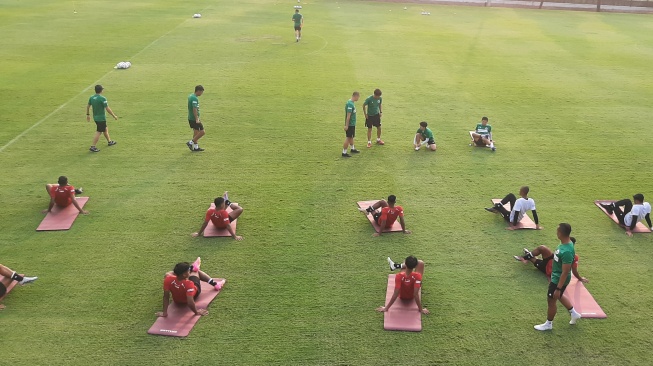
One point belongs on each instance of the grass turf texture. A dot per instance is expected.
(566, 92)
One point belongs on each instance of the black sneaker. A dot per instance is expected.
(345, 155)
(354, 151)
(79, 190)
(111, 143)
(609, 208)
(94, 149)
(198, 149)
(190, 145)
(491, 209)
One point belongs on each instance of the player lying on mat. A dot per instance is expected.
(11, 275)
(183, 283)
(482, 135)
(424, 135)
(63, 195)
(546, 264)
(631, 214)
(407, 283)
(518, 208)
(220, 217)
(385, 214)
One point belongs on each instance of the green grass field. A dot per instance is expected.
(568, 95)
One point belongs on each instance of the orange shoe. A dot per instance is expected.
(369, 144)
(380, 142)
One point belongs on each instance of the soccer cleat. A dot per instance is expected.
(79, 190)
(369, 144)
(518, 258)
(493, 148)
(27, 280)
(526, 251)
(219, 284)
(491, 209)
(417, 148)
(392, 264)
(544, 326)
(94, 149)
(226, 196)
(111, 143)
(345, 155)
(574, 318)
(198, 149)
(196, 265)
(190, 145)
(380, 142)
(609, 208)
(354, 151)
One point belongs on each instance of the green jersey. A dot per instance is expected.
(427, 133)
(564, 254)
(350, 108)
(193, 102)
(99, 103)
(297, 18)
(373, 105)
(483, 130)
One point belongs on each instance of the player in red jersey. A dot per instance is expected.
(545, 264)
(220, 217)
(407, 283)
(183, 284)
(63, 195)
(385, 214)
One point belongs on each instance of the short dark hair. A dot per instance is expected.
(565, 228)
(411, 262)
(639, 197)
(573, 240)
(525, 189)
(392, 198)
(218, 201)
(199, 88)
(181, 268)
(296, 10)
(377, 92)
(98, 88)
(484, 119)
(355, 94)
(423, 124)
(63, 180)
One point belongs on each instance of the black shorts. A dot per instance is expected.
(351, 132)
(479, 142)
(198, 285)
(552, 289)
(373, 121)
(541, 264)
(431, 142)
(196, 126)
(377, 216)
(3, 289)
(100, 126)
(298, 28)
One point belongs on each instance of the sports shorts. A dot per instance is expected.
(541, 264)
(298, 28)
(351, 132)
(373, 121)
(553, 287)
(196, 126)
(100, 126)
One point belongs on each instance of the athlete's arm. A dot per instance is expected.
(88, 114)
(74, 200)
(648, 220)
(51, 204)
(574, 270)
(566, 268)
(394, 297)
(197, 117)
(633, 222)
(347, 120)
(166, 303)
(382, 224)
(365, 110)
(403, 225)
(233, 233)
(111, 113)
(515, 218)
(202, 228)
(418, 300)
(191, 304)
(535, 218)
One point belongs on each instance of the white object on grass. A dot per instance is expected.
(197, 15)
(123, 65)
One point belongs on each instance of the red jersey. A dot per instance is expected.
(179, 289)
(219, 218)
(63, 196)
(407, 284)
(549, 266)
(390, 214)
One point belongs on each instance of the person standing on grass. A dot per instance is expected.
(407, 283)
(298, 20)
(373, 112)
(563, 259)
(350, 125)
(99, 104)
(194, 119)
(631, 214)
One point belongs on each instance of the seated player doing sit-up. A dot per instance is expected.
(518, 208)
(545, 264)
(183, 284)
(407, 283)
(9, 276)
(631, 214)
(385, 214)
(220, 217)
(63, 195)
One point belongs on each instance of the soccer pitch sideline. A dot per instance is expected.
(567, 93)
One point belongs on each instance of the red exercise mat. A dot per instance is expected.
(61, 218)
(525, 223)
(582, 300)
(396, 226)
(403, 314)
(212, 231)
(639, 228)
(181, 320)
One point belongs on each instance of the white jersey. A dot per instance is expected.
(520, 208)
(638, 210)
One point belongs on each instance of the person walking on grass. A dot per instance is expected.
(194, 119)
(99, 104)
(298, 20)
(373, 112)
(350, 125)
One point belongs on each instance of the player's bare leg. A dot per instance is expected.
(96, 138)
(236, 210)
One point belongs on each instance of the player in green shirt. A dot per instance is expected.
(298, 21)
(423, 136)
(194, 119)
(563, 258)
(482, 134)
(373, 113)
(99, 104)
(350, 125)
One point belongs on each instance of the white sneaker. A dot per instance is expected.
(27, 280)
(574, 318)
(544, 326)
(392, 264)
(417, 149)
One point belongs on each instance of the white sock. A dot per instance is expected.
(573, 312)
(196, 146)
(344, 151)
(378, 139)
(549, 322)
(191, 142)
(491, 144)
(353, 147)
